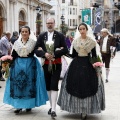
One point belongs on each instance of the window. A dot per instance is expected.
(73, 22)
(21, 16)
(70, 22)
(71, 2)
(52, 12)
(63, 1)
(73, 11)
(70, 11)
(0, 11)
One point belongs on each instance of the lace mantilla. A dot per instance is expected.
(24, 50)
(83, 48)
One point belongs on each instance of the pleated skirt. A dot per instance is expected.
(88, 105)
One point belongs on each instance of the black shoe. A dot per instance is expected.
(18, 111)
(106, 80)
(49, 112)
(2, 79)
(53, 114)
(0, 87)
(28, 110)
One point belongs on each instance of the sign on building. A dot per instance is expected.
(86, 16)
(98, 20)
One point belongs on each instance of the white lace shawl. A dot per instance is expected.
(85, 48)
(89, 34)
(24, 50)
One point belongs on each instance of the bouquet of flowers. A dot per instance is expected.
(96, 61)
(5, 63)
(97, 64)
(50, 49)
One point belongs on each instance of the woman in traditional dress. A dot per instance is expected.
(25, 87)
(82, 91)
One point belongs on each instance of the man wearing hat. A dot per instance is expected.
(107, 48)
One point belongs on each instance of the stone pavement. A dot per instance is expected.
(112, 111)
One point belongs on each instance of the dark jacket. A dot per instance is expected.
(59, 41)
(13, 39)
(110, 42)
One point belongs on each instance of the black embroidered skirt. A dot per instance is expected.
(81, 78)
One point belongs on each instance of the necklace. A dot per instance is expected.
(24, 42)
(82, 41)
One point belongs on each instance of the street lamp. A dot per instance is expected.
(95, 5)
(38, 20)
(62, 19)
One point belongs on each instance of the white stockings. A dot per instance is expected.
(107, 73)
(53, 99)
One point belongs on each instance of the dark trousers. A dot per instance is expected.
(106, 59)
(52, 78)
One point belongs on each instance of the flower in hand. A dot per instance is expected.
(98, 64)
(5, 62)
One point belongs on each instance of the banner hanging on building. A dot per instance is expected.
(86, 16)
(98, 20)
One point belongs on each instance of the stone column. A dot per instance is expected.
(8, 16)
(16, 17)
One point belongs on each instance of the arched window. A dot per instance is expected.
(0, 11)
(22, 19)
(21, 16)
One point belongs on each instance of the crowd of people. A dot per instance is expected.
(31, 84)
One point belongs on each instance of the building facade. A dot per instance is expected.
(72, 12)
(111, 15)
(70, 9)
(16, 13)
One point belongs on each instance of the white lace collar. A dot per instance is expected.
(24, 50)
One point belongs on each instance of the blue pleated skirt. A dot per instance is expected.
(25, 87)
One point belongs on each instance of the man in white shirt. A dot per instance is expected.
(52, 56)
(107, 47)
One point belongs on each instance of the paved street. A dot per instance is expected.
(112, 111)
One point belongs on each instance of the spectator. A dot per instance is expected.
(68, 43)
(117, 43)
(107, 48)
(14, 37)
(5, 48)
